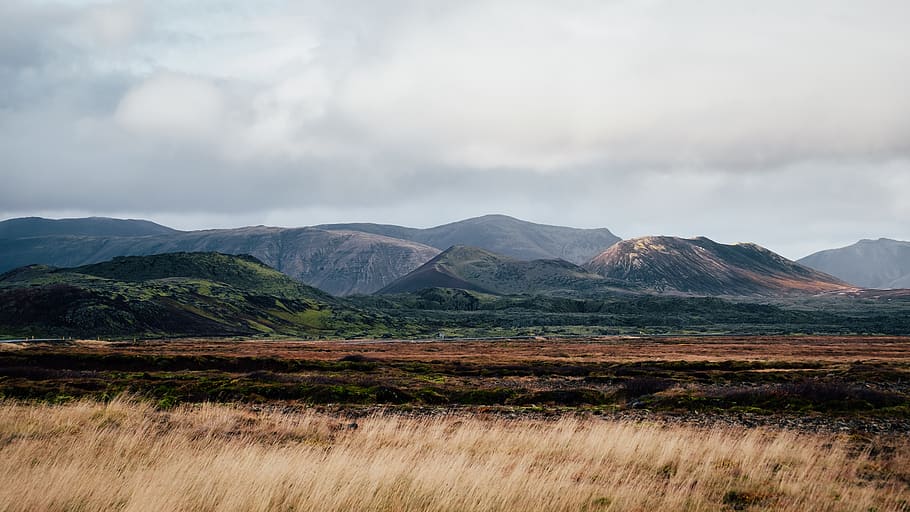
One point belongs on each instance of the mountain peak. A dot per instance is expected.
(466, 252)
(496, 216)
(503, 235)
(701, 266)
(881, 263)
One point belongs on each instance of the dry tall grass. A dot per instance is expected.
(127, 456)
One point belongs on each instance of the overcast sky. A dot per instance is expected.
(786, 123)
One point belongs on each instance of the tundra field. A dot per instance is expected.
(616, 423)
(827, 380)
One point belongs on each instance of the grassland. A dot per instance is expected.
(129, 456)
(862, 381)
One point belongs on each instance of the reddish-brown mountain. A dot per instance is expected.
(702, 266)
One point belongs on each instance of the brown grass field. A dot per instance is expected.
(616, 423)
(596, 349)
(126, 455)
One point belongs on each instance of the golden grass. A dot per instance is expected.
(127, 456)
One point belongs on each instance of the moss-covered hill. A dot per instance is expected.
(173, 294)
(471, 268)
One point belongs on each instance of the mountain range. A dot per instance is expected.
(882, 263)
(341, 259)
(503, 235)
(492, 253)
(696, 266)
(213, 294)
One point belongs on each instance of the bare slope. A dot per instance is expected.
(882, 263)
(702, 266)
(504, 235)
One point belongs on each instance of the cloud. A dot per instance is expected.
(173, 107)
(530, 85)
(546, 86)
(646, 117)
(112, 24)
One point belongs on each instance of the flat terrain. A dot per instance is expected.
(809, 382)
(606, 349)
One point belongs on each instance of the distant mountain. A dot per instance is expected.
(341, 259)
(91, 226)
(184, 294)
(702, 266)
(339, 262)
(470, 268)
(882, 263)
(501, 234)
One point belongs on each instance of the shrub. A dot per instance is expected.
(645, 385)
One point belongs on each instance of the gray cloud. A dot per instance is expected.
(784, 123)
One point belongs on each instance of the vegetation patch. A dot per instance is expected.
(586, 376)
(743, 500)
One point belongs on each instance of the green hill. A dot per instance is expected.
(470, 268)
(240, 271)
(180, 294)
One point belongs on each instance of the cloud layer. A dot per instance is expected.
(782, 122)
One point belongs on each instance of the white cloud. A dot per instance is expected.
(547, 85)
(173, 106)
(112, 24)
(541, 86)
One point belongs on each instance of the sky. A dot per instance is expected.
(784, 123)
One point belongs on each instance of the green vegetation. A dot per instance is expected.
(475, 269)
(456, 312)
(203, 294)
(755, 387)
(241, 272)
(211, 294)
